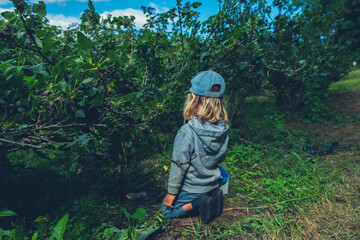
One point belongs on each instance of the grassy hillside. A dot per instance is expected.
(350, 82)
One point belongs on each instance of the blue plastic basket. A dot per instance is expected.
(224, 180)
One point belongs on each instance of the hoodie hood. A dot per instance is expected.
(211, 135)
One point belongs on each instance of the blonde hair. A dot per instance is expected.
(205, 108)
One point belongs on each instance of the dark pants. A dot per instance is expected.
(181, 199)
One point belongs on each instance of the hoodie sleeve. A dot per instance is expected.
(225, 146)
(181, 152)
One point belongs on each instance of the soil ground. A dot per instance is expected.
(346, 133)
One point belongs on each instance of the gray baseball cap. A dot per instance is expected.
(203, 81)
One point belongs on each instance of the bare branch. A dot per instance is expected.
(19, 143)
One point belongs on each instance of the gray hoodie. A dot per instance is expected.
(208, 142)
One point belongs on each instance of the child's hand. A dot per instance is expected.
(169, 199)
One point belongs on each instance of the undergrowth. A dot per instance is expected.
(284, 185)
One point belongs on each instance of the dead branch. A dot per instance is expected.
(19, 143)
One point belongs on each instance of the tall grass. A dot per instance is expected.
(349, 82)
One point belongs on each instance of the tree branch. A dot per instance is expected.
(19, 143)
(28, 31)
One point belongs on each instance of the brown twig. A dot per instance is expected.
(12, 42)
(28, 31)
(177, 162)
(36, 127)
(60, 126)
(47, 140)
(5, 115)
(19, 143)
(188, 230)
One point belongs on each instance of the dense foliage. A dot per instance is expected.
(89, 102)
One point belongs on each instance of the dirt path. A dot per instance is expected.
(344, 131)
(347, 103)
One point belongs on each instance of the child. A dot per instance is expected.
(198, 148)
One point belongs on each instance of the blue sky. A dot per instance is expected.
(65, 12)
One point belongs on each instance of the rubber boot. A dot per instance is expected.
(206, 210)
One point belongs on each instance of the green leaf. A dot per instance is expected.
(19, 233)
(34, 237)
(8, 15)
(7, 213)
(83, 42)
(127, 214)
(22, 126)
(325, 74)
(296, 156)
(86, 81)
(6, 232)
(3, 64)
(113, 56)
(60, 227)
(38, 42)
(80, 113)
(78, 60)
(196, 4)
(9, 70)
(204, 54)
(62, 85)
(121, 235)
(140, 214)
(82, 102)
(96, 102)
(39, 68)
(241, 65)
(50, 43)
(82, 140)
(40, 9)
(144, 234)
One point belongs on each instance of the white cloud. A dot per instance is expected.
(61, 1)
(140, 18)
(61, 20)
(55, 19)
(64, 21)
(158, 9)
(6, 9)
